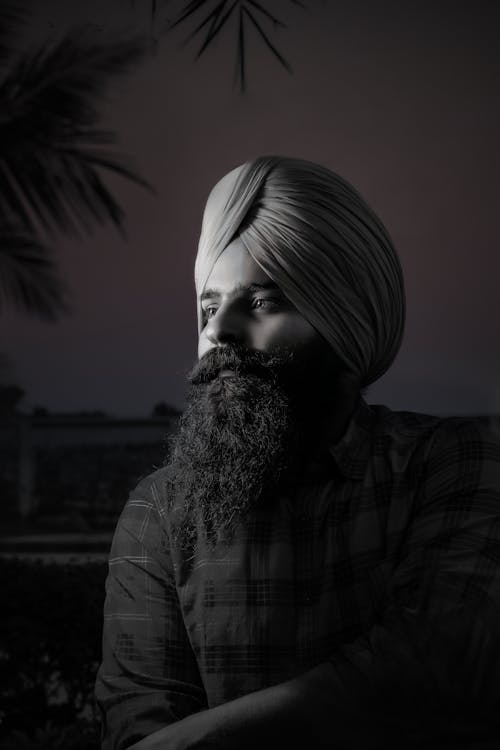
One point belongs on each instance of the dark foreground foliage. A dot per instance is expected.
(50, 646)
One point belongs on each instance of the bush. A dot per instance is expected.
(83, 735)
(50, 648)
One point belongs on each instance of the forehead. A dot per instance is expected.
(234, 267)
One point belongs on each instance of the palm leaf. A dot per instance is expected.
(217, 24)
(189, 9)
(276, 21)
(48, 114)
(240, 57)
(217, 18)
(216, 21)
(29, 279)
(267, 40)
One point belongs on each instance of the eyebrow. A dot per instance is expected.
(239, 289)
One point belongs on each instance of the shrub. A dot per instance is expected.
(83, 735)
(50, 648)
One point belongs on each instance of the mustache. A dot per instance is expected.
(242, 361)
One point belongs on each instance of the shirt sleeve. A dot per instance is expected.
(148, 677)
(429, 670)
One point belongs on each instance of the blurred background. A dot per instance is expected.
(116, 119)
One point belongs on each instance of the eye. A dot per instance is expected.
(265, 303)
(209, 311)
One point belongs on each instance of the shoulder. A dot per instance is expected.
(402, 438)
(143, 515)
(468, 449)
(150, 489)
(402, 425)
(458, 463)
(418, 440)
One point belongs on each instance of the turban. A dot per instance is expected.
(318, 240)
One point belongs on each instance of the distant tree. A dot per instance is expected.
(162, 409)
(52, 154)
(39, 411)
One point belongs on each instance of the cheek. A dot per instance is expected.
(276, 330)
(288, 330)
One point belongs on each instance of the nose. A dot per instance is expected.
(225, 327)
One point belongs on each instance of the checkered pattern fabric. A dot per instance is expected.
(400, 529)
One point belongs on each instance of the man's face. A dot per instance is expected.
(264, 386)
(241, 305)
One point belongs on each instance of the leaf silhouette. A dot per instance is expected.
(29, 278)
(217, 16)
(48, 138)
(52, 156)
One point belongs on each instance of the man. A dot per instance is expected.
(306, 570)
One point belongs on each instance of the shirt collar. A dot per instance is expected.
(352, 450)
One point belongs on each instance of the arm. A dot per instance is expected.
(148, 677)
(429, 672)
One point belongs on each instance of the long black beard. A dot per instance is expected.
(240, 439)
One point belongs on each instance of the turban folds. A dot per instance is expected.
(318, 240)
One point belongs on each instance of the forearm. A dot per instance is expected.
(390, 689)
(291, 714)
(255, 718)
(126, 720)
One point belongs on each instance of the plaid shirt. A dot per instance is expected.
(404, 519)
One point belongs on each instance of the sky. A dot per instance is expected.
(400, 98)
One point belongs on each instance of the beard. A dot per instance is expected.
(243, 437)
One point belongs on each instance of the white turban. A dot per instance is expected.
(317, 239)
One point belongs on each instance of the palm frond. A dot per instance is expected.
(189, 9)
(212, 18)
(218, 22)
(217, 17)
(240, 57)
(266, 13)
(48, 117)
(267, 40)
(29, 279)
